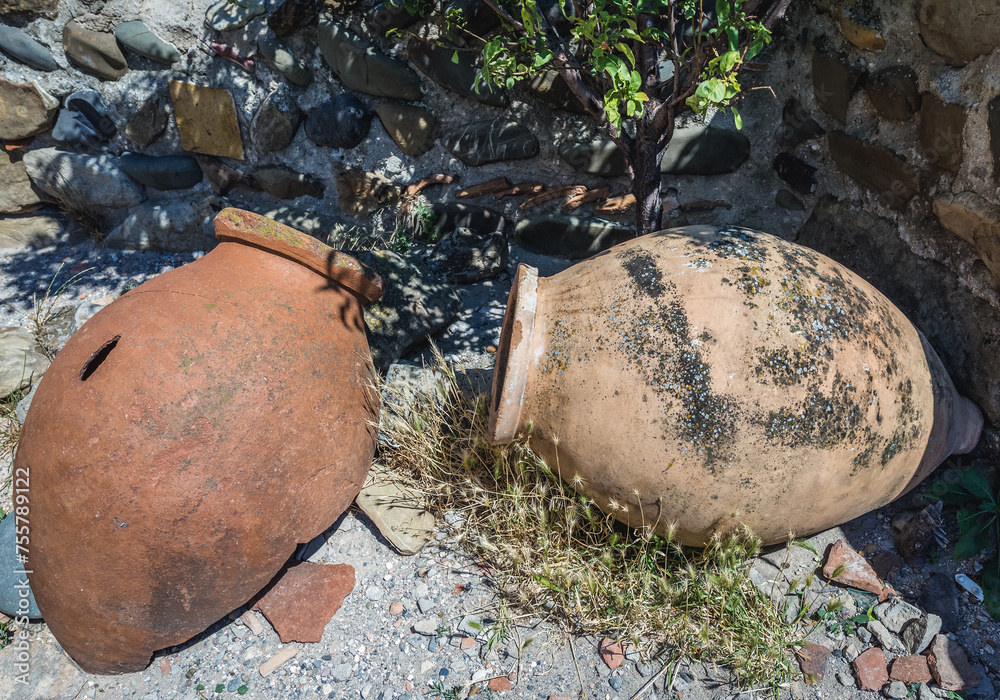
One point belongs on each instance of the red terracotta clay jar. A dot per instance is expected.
(191, 435)
(709, 379)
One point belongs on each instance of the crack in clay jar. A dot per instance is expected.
(710, 378)
(189, 436)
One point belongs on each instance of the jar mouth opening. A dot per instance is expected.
(510, 374)
(251, 229)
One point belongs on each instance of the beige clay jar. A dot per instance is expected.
(710, 378)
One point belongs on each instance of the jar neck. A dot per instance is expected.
(513, 363)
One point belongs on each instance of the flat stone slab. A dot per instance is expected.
(397, 512)
(52, 676)
(25, 110)
(206, 120)
(21, 360)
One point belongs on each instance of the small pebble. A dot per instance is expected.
(374, 593)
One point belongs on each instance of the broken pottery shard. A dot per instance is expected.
(397, 512)
(305, 598)
(847, 567)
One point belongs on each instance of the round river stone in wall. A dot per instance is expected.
(283, 61)
(490, 141)
(225, 15)
(92, 52)
(137, 37)
(162, 172)
(276, 121)
(23, 48)
(705, 150)
(960, 30)
(342, 122)
(362, 67)
(411, 127)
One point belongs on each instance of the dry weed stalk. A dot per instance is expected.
(552, 550)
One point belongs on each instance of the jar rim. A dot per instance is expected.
(240, 226)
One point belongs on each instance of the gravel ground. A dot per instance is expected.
(429, 648)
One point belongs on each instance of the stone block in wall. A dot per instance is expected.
(28, 9)
(411, 127)
(993, 126)
(176, 226)
(206, 120)
(874, 167)
(960, 30)
(941, 128)
(454, 70)
(834, 82)
(599, 157)
(572, 237)
(552, 88)
(894, 92)
(92, 52)
(17, 194)
(976, 221)
(704, 150)
(362, 67)
(25, 110)
(490, 141)
(961, 327)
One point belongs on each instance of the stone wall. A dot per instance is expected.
(877, 118)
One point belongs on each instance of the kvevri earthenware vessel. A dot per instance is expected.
(189, 436)
(712, 378)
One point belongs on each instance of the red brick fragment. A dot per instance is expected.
(812, 661)
(612, 652)
(910, 669)
(950, 666)
(869, 667)
(304, 599)
(499, 684)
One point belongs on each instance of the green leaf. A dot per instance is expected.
(737, 118)
(755, 47)
(627, 51)
(951, 492)
(966, 519)
(220, 688)
(722, 9)
(972, 543)
(200, 686)
(717, 92)
(734, 37)
(242, 690)
(454, 57)
(728, 61)
(976, 484)
(991, 587)
(634, 82)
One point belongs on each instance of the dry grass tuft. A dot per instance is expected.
(552, 550)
